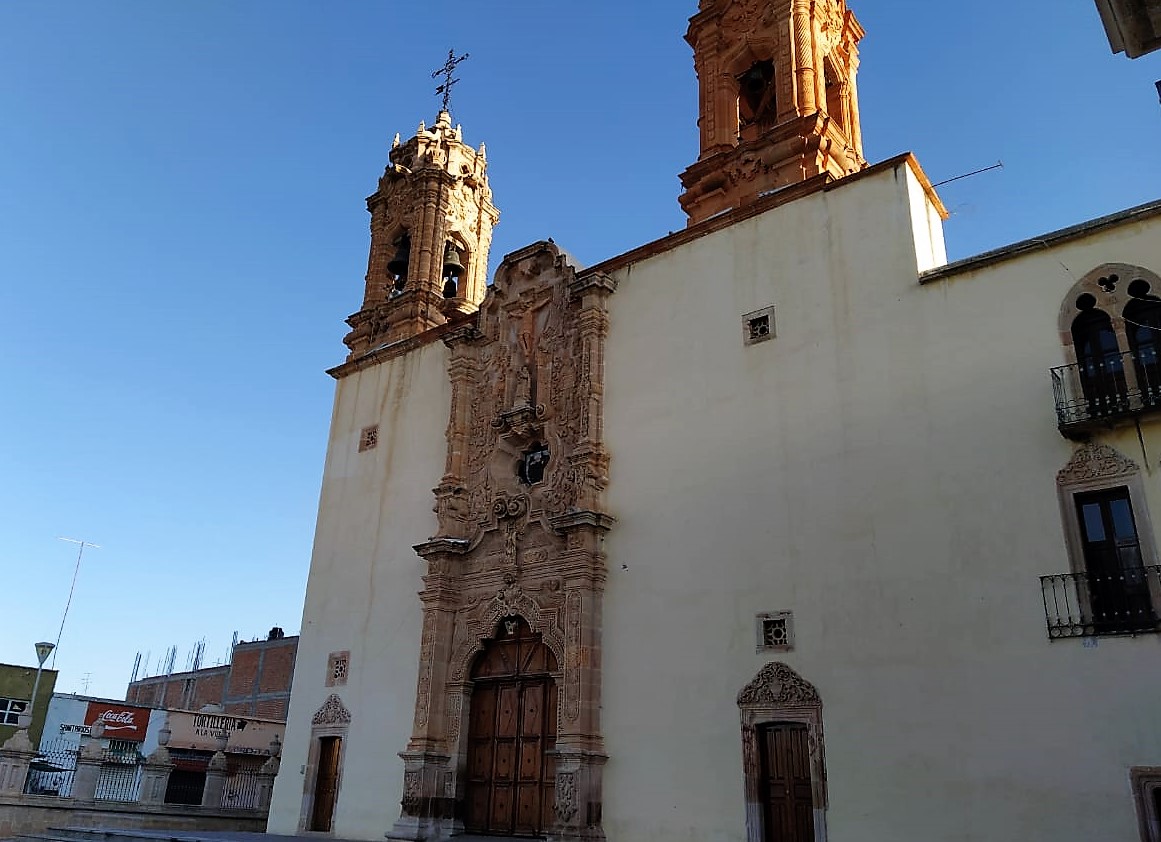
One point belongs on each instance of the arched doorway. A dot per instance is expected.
(511, 779)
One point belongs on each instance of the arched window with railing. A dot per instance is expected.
(1110, 326)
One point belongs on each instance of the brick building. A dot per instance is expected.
(256, 682)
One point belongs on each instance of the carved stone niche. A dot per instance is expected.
(779, 695)
(527, 382)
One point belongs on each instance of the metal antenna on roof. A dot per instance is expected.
(999, 165)
(72, 587)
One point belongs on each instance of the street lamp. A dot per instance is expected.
(43, 650)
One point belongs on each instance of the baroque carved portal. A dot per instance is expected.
(782, 757)
(521, 525)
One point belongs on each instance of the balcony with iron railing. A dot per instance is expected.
(1105, 391)
(1102, 604)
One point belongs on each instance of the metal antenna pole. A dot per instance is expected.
(72, 587)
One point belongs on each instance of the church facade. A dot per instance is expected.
(780, 528)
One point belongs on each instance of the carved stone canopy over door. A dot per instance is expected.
(522, 521)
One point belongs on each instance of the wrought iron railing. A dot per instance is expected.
(1093, 605)
(1107, 387)
(51, 771)
(120, 777)
(241, 790)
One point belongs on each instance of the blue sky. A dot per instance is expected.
(182, 232)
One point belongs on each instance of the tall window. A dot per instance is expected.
(1101, 365)
(1143, 327)
(1118, 590)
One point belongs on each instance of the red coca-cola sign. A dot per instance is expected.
(121, 722)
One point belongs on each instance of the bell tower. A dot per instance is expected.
(431, 228)
(778, 103)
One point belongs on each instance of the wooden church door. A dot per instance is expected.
(511, 782)
(326, 784)
(787, 800)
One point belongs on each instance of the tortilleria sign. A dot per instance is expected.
(244, 735)
(121, 721)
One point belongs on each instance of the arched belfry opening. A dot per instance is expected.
(757, 100)
(512, 726)
(778, 102)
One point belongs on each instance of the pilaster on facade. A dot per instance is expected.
(431, 229)
(778, 99)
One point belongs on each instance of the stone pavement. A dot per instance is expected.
(86, 834)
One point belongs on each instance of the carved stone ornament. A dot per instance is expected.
(777, 685)
(745, 15)
(515, 545)
(1093, 461)
(332, 712)
(565, 805)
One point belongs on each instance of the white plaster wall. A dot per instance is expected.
(885, 469)
(363, 584)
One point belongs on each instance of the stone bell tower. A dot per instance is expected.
(431, 228)
(778, 103)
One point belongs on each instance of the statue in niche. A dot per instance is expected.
(523, 387)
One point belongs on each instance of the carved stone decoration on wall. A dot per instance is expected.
(778, 685)
(565, 797)
(1093, 460)
(332, 712)
(527, 384)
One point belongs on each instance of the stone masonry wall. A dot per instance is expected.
(31, 814)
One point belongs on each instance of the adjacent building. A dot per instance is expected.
(1133, 26)
(256, 682)
(779, 528)
(17, 704)
(130, 733)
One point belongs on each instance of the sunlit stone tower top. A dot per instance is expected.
(431, 228)
(778, 103)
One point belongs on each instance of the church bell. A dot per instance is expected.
(453, 262)
(453, 268)
(397, 266)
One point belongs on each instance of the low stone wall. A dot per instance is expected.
(27, 814)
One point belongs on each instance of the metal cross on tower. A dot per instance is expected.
(449, 82)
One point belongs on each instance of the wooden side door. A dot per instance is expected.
(787, 794)
(326, 783)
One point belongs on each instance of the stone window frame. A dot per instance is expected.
(332, 719)
(779, 695)
(333, 679)
(760, 621)
(368, 438)
(1146, 782)
(748, 335)
(1099, 467)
